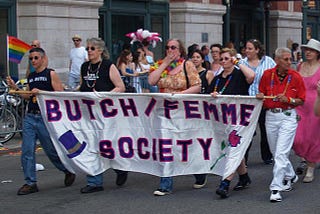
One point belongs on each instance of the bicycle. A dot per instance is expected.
(11, 113)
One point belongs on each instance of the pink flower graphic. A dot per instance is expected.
(234, 139)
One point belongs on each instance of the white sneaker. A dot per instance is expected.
(39, 167)
(287, 184)
(197, 185)
(275, 196)
(161, 192)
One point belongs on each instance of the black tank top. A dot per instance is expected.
(96, 76)
(42, 81)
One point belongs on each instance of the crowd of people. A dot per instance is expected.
(289, 118)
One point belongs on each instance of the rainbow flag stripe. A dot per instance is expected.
(17, 49)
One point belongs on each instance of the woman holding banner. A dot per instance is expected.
(99, 74)
(175, 75)
(234, 80)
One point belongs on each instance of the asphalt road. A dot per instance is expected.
(136, 195)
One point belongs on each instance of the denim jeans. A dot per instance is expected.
(97, 180)
(73, 80)
(166, 183)
(34, 129)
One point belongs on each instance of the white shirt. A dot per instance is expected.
(77, 56)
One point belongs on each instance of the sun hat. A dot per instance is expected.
(76, 36)
(312, 44)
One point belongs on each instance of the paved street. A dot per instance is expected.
(136, 195)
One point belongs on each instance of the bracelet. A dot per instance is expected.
(236, 62)
(292, 101)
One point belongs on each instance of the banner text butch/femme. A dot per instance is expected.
(226, 113)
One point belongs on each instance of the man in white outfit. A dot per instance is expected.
(282, 89)
(78, 55)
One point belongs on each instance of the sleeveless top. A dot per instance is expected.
(204, 82)
(96, 76)
(42, 81)
(237, 83)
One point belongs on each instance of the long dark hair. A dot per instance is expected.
(123, 57)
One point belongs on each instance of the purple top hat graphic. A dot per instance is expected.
(72, 144)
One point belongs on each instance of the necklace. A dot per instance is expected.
(92, 75)
(272, 83)
(224, 87)
(165, 72)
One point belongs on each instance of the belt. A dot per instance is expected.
(281, 110)
(34, 111)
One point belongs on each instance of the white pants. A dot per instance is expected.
(281, 130)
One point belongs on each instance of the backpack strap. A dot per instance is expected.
(185, 73)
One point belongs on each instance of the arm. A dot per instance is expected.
(122, 68)
(317, 102)
(116, 79)
(55, 81)
(154, 76)
(194, 79)
(247, 72)
(13, 86)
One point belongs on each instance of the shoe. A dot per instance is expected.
(242, 184)
(69, 179)
(301, 168)
(275, 196)
(91, 189)
(121, 178)
(223, 189)
(308, 179)
(27, 189)
(161, 192)
(287, 184)
(200, 184)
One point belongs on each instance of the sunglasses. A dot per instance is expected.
(76, 40)
(172, 47)
(91, 48)
(33, 46)
(225, 59)
(34, 58)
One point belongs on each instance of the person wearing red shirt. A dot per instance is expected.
(282, 90)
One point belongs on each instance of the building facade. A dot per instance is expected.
(274, 23)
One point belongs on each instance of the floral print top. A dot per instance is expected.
(177, 82)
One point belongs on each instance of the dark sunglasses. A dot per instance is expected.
(172, 47)
(35, 58)
(225, 59)
(76, 40)
(91, 48)
(33, 46)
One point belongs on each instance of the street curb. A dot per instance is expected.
(5, 151)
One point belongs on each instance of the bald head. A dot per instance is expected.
(35, 44)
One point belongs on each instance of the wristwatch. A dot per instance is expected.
(293, 101)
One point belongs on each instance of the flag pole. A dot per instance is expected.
(8, 67)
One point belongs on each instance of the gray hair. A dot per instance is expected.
(101, 45)
(279, 51)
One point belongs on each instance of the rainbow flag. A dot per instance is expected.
(16, 49)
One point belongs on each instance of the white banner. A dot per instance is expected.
(159, 134)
